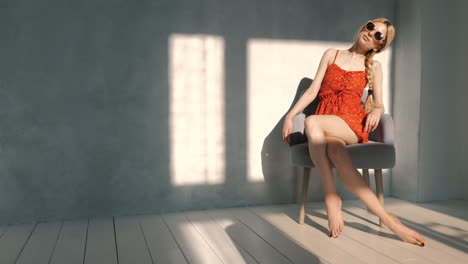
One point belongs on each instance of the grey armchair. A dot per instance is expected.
(377, 154)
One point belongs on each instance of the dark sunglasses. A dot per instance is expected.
(378, 35)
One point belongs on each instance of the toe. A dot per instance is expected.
(416, 241)
(421, 240)
(413, 240)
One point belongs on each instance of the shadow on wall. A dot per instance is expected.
(274, 171)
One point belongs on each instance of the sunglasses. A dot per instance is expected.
(378, 35)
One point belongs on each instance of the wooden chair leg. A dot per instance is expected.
(365, 175)
(305, 188)
(379, 188)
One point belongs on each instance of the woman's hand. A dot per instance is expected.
(287, 128)
(372, 120)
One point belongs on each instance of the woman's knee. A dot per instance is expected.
(314, 131)
(311, 123)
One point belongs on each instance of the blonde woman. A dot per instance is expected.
(340, 120)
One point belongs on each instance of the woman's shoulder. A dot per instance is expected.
(376, 65)
(331, 51)
(329, 54)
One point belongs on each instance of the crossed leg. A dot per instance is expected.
(328, 136)
(319, 131)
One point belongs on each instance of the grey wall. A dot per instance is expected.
(444, 64)
(461, 108)
(430, 101)
(84, 101)
(406, 102)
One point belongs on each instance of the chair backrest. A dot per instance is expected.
(303, 86)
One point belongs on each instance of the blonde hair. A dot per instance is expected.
(369, 61)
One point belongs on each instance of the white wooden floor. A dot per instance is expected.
(262, 234)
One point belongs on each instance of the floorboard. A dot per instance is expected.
(100, 243)
(131, 244)
(71, 243)
(427, 223)
(224, 247)
(192, 244)
(314, 235)
(41, 244)
(254, 244)
(161, 243)
(13, 241)
(251, 235)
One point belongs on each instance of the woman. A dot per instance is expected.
(340, 119)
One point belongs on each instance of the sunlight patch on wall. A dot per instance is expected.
(196, 79)
(274, 70)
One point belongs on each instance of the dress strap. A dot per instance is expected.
(335, 56)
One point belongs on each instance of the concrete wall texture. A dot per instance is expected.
(87, 102)
(430, 101)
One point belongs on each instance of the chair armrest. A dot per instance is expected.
(297, 134)
(384, 132)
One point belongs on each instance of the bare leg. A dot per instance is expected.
(317, 150)
(355, 183)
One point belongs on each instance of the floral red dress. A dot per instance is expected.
(340, 94)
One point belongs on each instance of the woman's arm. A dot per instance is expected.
(310, 94)
(377, 87)
(373, 117)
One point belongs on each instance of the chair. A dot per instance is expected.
(377, 154)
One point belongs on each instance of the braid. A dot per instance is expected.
(369, 63)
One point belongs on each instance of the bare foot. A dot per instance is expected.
(335, 219)
(405, 233)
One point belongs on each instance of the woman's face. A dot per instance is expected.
(366, 38)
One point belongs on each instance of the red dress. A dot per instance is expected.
(340, 94)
